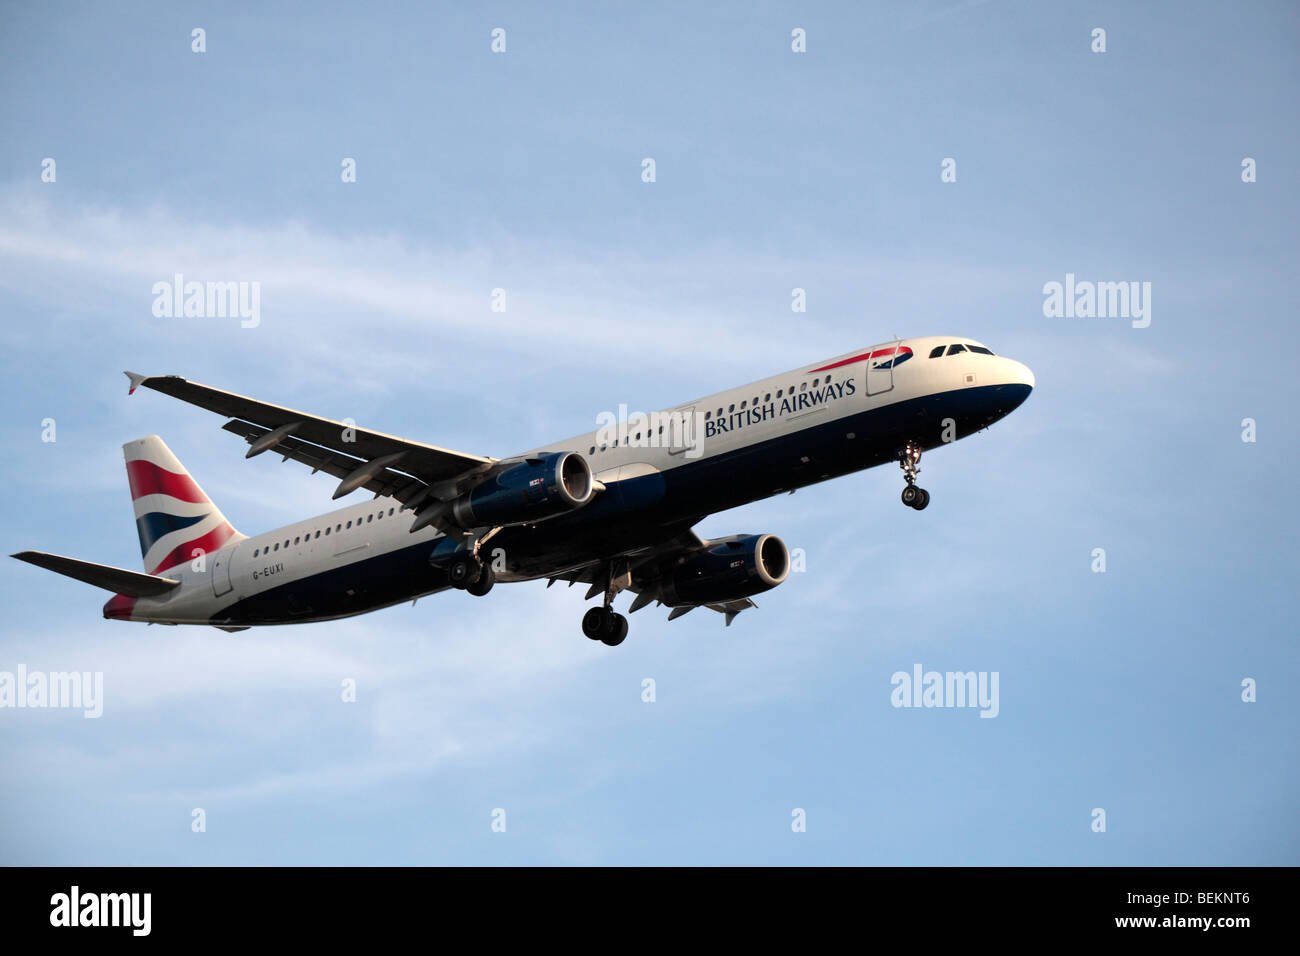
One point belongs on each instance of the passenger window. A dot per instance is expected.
(286, 542)
(954, 349)
(349, 524)
(318, 534)
(390, 512)
(719, 413)
(592, 451)
(298, 539)
(254, 552)
(767, 397)
(732, 408)
(277, 546)
(338, 527)
(327, 532)
(380, 515)
(369, 518)
(744, 405)
(815, 381)
(780, 392)
(803, 386)
(828, 379)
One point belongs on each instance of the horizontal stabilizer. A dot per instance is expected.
(118, 580)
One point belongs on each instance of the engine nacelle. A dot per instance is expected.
(728, 569)
(527, 492)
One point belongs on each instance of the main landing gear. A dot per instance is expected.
(466, 572)
(914, 496)
(604, 624)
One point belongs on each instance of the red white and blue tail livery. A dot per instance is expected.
(176, 521)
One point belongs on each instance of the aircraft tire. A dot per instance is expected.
(616, 631)
(483, 584)
(593, 622)
(463, 570)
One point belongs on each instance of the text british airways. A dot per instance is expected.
(804, 401)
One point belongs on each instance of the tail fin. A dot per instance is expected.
(176, 521)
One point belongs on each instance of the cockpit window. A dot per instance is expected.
(979, 348)
(937, 351)
(954, 349)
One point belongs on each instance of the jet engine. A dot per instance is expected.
(533, 490)
(727, 569)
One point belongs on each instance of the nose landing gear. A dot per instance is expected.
(913, 496)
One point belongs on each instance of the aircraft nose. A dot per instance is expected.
(1022, 374)
(1012, 385)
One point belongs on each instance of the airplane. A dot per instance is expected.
(612, 508)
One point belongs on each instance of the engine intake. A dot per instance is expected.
(728, 569)
(530, 491)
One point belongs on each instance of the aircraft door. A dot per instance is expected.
(221, 561)
(679, 434)
(880, 369)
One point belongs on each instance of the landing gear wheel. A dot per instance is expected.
(910, 495)
(487, 577)
(604, 625)
(463, 570)
(593, 622)
(923, 499)
(616, 631)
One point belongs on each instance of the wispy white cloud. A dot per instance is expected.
(447, 683)
(389, 308)
(350, 291)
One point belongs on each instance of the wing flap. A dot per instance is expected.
(118, 580)
(387, 482)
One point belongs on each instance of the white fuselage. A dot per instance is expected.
(734, 421)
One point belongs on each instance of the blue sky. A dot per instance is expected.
(775, 170)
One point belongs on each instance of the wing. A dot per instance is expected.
(410, 471)
(639, 572)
